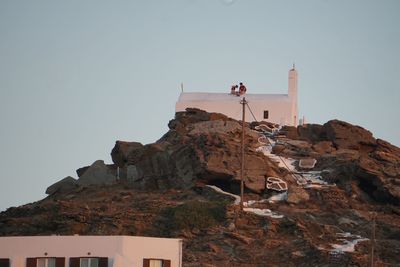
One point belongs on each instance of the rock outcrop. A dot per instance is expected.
(204, 148)
(64, 185)
(199, 148)
(97, 174)
(353, 154)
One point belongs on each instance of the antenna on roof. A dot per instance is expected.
(294, 66)
(182, 87)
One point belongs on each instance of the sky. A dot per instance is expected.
(75, 76)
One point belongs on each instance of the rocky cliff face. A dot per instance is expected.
(199, 148)
(354, 155)
(187, 184)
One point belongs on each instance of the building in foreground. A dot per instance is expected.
(90, 251)
(276, 108)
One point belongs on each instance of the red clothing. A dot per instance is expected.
(242, 89)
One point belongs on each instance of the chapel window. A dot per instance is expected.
(266, 114)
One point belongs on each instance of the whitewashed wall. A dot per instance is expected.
(122, 251)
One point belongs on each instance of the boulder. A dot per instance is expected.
(64, 185)
(343, 135)
(347, 136)
(97, 174)
(82, 170)
(153, 170)
(122, 151)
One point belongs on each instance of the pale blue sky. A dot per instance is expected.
(77, 75)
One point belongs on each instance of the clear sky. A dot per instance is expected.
(75, 76)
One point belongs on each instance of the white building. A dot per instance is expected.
(90, 251)
(276, 108)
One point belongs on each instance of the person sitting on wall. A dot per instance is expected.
(242, 89)
(233, 89)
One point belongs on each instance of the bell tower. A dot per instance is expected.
(292, 92)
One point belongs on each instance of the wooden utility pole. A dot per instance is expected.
(371, 264)
(243, 102)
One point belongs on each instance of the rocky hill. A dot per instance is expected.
(330, 185)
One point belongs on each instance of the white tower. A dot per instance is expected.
(292, 92)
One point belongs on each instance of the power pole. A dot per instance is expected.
(243, 102)
(373, 240)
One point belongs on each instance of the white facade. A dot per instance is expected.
(276, 108)
(119, 251)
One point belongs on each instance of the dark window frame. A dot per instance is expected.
(266, 114)
(76, 261)
(4, 262)
(165, 263)
(32, 262)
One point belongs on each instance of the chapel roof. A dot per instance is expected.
(191, 96)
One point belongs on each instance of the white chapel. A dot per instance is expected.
(276, 108)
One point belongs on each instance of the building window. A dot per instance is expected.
(266, 114)
(45, 262)
(88, 262)
(4, 262)
(156, 263)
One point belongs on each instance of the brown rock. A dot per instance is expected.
(278, 148)
(374, 181)
(385, 156)
(299, 145)
(347, 154)
(311, 132)
(388, 148)
(122, 151)
(215, 127)
(297, 195)
(200, 147)
(241, 223)
(323, 147)
(348, 136)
